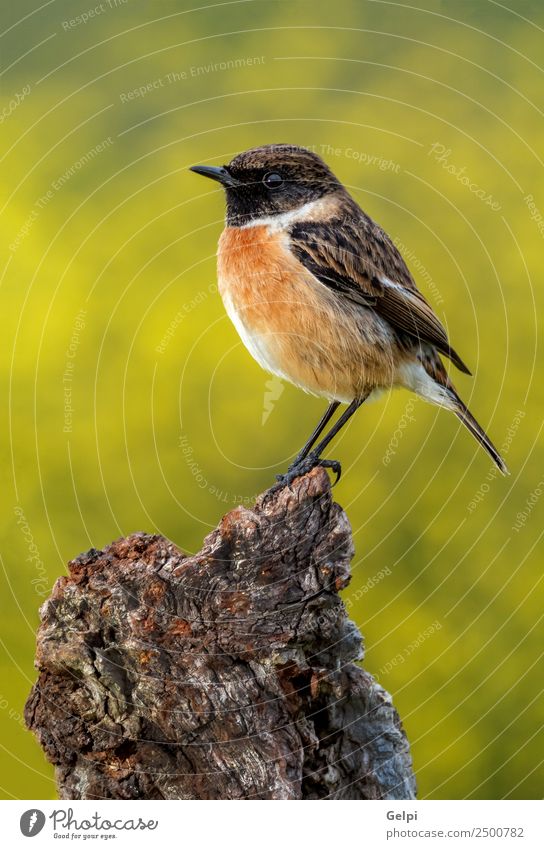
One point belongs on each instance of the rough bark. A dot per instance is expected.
(224, 675)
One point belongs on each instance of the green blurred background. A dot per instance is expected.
(130, 403)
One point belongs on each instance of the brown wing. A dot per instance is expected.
(357, 259)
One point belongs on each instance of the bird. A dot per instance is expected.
(321, 296)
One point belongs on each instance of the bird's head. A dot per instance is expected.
(271, 180)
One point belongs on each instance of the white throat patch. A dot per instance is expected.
(285, 219)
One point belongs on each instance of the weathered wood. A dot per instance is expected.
(225, 675)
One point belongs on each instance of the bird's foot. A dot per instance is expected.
(301, 467)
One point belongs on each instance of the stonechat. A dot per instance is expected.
(321, 296)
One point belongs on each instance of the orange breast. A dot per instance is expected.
(291, 323)
(248, 256)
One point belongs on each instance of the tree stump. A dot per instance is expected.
(224, 675)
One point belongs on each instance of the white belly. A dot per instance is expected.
(259, 345)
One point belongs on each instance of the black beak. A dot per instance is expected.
(220, 174)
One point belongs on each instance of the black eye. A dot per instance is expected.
(273, 180)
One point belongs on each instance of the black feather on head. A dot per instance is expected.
(275, 178)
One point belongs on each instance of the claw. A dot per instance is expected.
(334, 465)
(302, 467)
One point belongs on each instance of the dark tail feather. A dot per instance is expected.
(478, 433)
(456, 360)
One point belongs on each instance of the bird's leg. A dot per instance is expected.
(336, 428)
(313, 458)
(324, 420)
